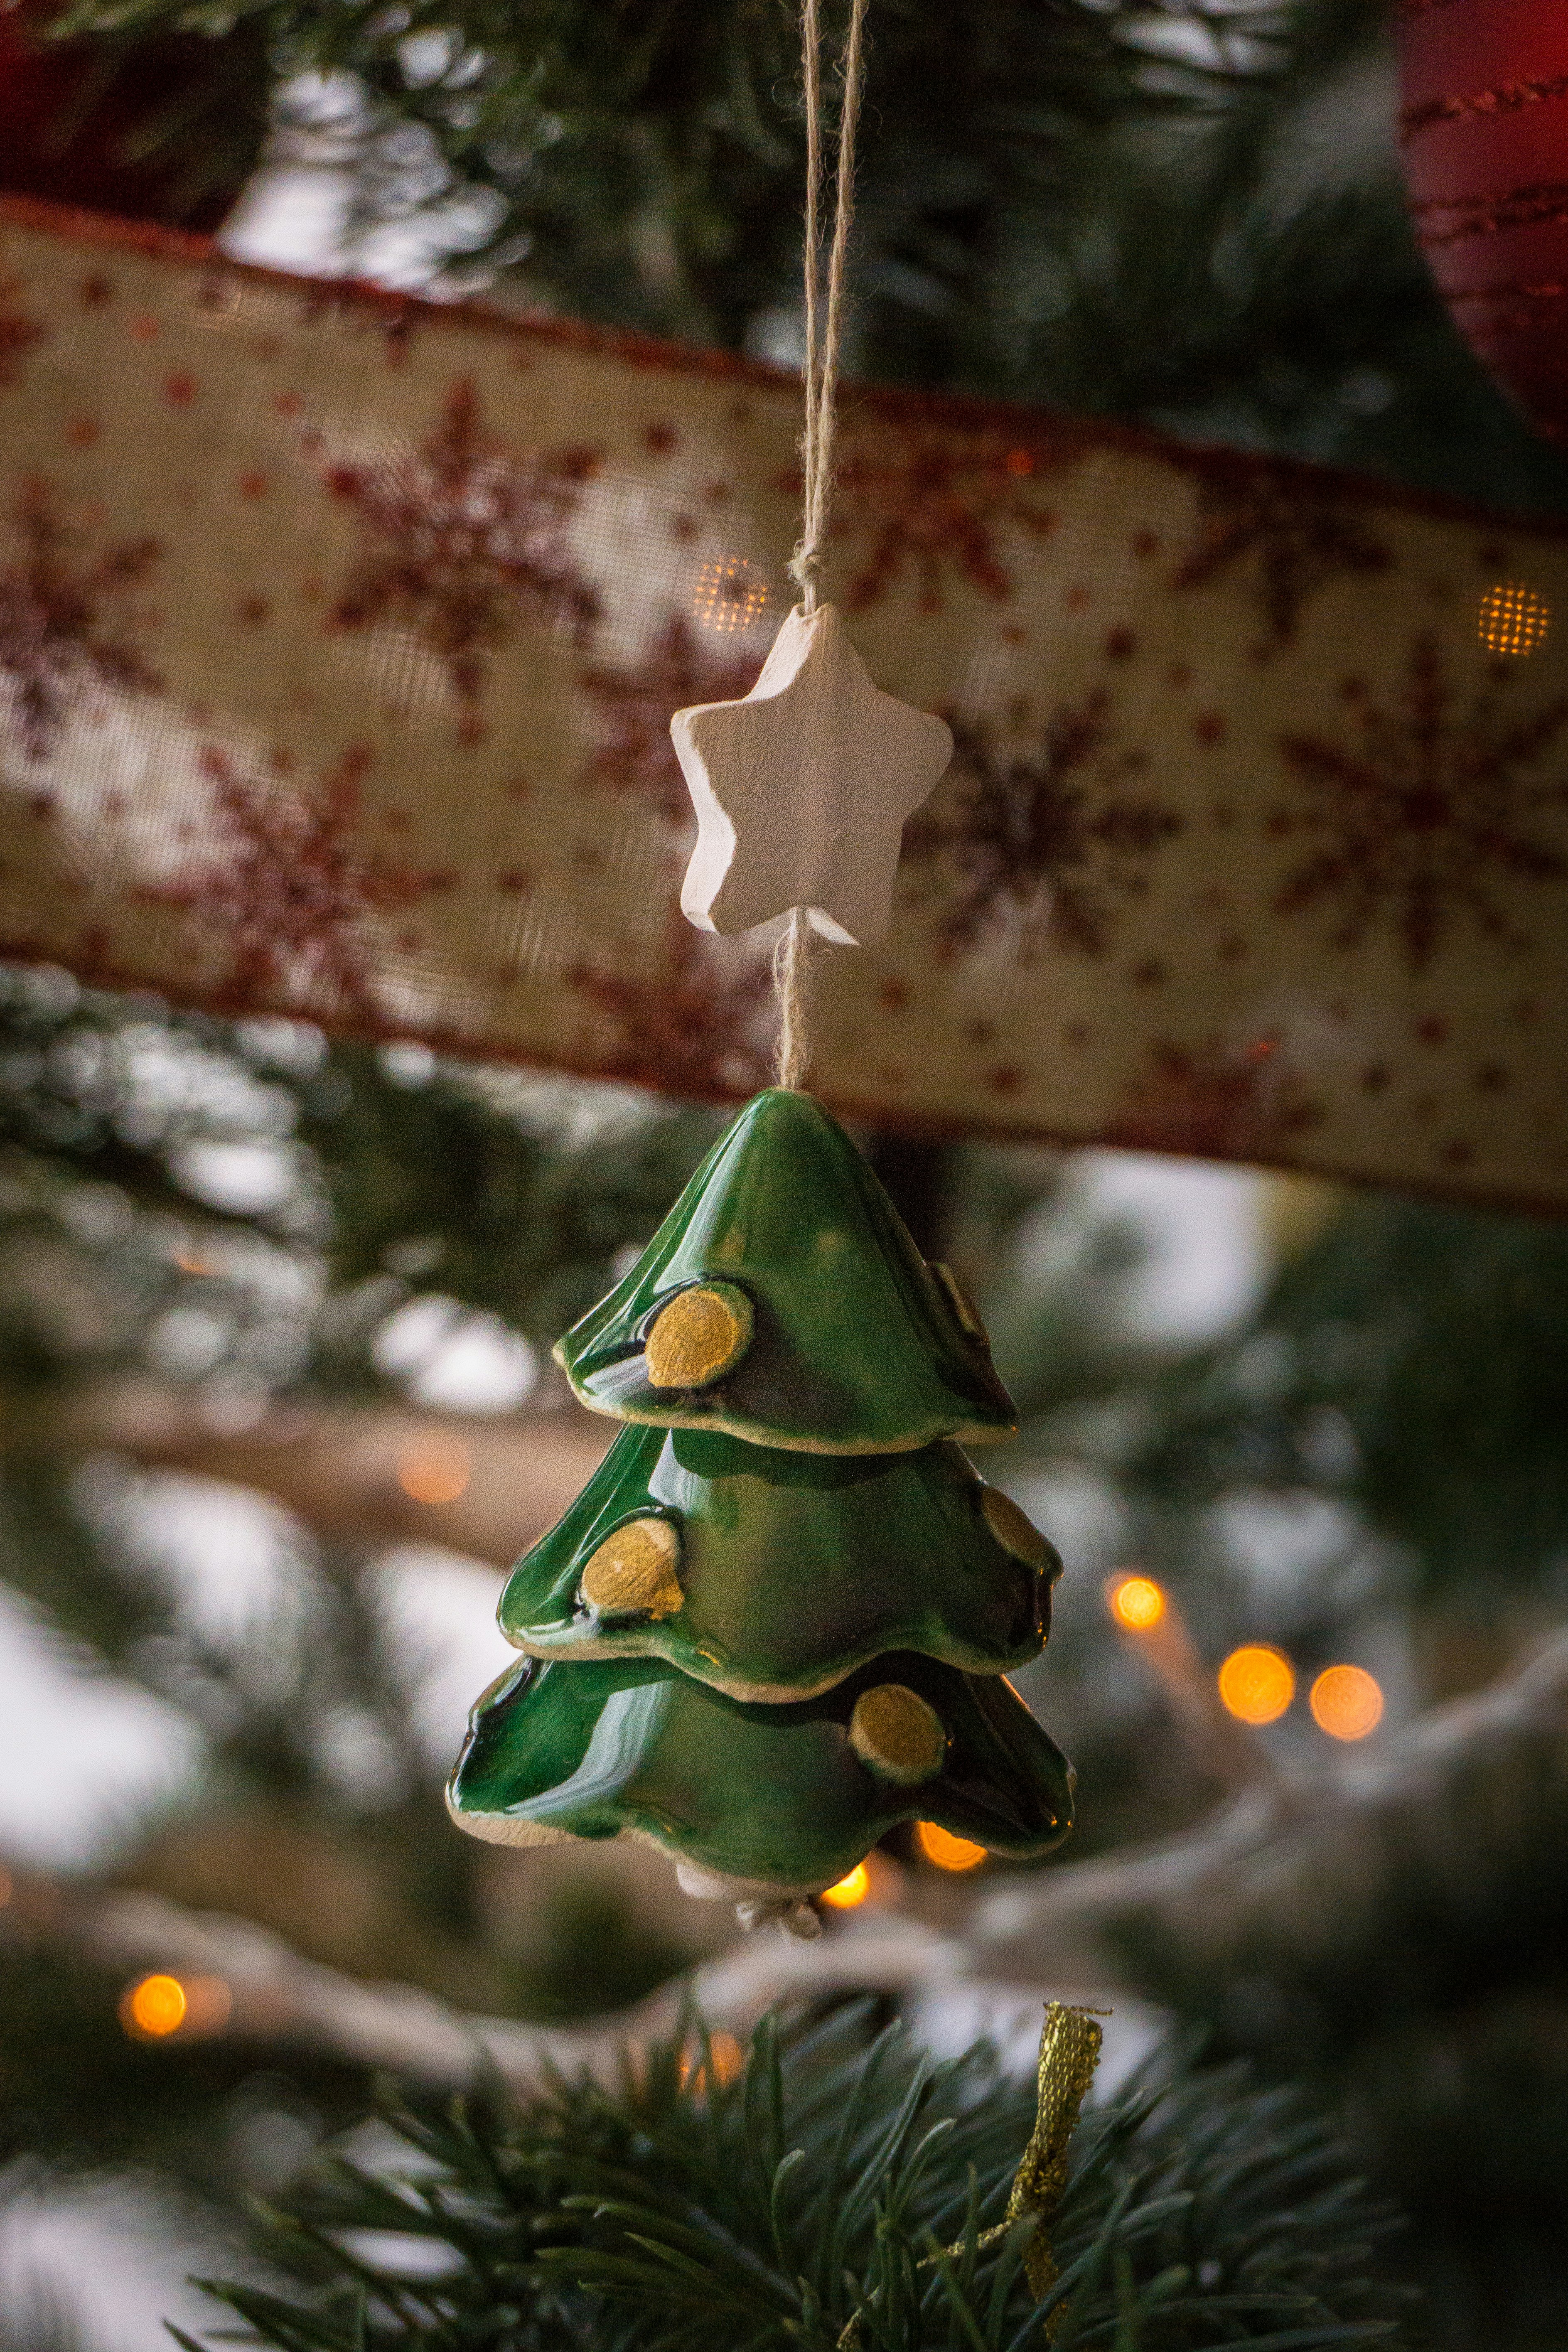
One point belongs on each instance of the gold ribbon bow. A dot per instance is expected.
(1070, 2053)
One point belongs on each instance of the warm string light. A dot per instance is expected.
(433, 1469)
(729, 595)
(725, 2058)
(1346, 1702)
(1256, 1684)
(948, 1853)
(850, 1890)
(1136, 1602)
(1513, 620)
(156, 2006)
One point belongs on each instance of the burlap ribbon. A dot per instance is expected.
(340, 634)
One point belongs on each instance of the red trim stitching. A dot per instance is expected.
(1506, 98)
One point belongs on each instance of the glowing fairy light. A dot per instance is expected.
(729, 594)
(1346, 1702)
(948, 1853)
(155, 2007)
(1136, 1603)
(849, 1891)
(433, 1469)
(158, 2005)
(1256, 1684)
(1512, 619)
(724, 2061)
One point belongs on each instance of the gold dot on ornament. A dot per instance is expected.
(1013, 1530)
(960, 1301)
(894, 1732)
(698, 1337)
(633, 1572)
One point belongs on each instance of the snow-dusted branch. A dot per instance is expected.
(366, 1475)
(252, 1987)
(1304, 1875)
(1477, 1790)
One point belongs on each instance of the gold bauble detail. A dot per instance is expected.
(896, 1735)
(633, 1572)
(698, 1337)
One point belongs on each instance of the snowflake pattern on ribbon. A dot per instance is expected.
(18, 332)
(460, 533)
(1427, 815)
(703, 1028)
(634, 707)
(62, 620)
(1298, 545)
(1058, 835)
(936, 503)
(1217, 1099)
(327, 516)
(293, 897)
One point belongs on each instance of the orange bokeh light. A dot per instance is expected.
(1512, 619)
(1136, 1603)
(433, 1469)
(1256, 1684)
(948, 1853)
(730, 594)
(1346, 1702)
(850, 1890)
(728, 2059)
(153, 2007)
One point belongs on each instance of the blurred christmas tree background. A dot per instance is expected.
(277, 1407)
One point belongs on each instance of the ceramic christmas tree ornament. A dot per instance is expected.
(771, 1574)
(802, 788)
(775, 1801)
(782, 1301)
(774, 1623)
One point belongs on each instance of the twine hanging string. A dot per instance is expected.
(823, 339)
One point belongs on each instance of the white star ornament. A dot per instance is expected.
(802, 788)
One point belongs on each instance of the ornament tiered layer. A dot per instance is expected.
(776, 1623)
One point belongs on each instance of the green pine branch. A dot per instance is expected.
(838, 2177)
(1412, 1361)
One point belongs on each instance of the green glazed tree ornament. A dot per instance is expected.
(780, 1572)
(852, 1344)
(783, 1800)
(774, 1623)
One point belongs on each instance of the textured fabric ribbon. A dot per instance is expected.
(340, 635)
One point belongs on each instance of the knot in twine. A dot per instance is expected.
(824, 337)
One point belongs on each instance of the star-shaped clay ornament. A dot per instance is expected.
(802, 788)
